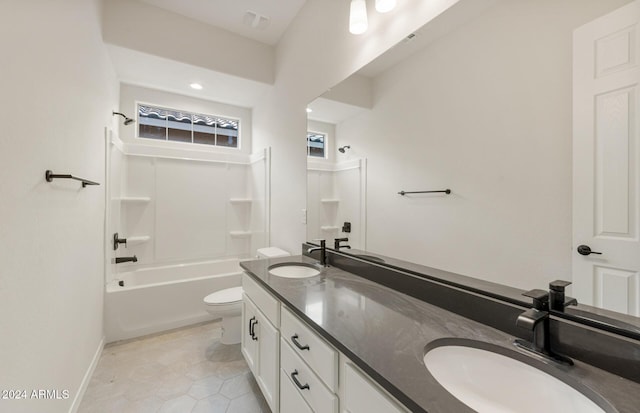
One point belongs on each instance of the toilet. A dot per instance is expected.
(227, 303)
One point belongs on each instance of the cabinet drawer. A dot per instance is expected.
(314, 391)
(290, 399)
(269, 306)
(318, 354)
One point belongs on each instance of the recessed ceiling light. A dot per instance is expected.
(196, 86)
(309, 110)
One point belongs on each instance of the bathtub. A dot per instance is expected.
(161, 298)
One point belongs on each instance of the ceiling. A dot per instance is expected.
(230, 15)
(332, 111)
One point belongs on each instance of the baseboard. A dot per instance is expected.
(87, 378)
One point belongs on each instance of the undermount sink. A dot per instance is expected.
(294, 270)
(489, 382)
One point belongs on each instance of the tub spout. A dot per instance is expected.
(120, 260)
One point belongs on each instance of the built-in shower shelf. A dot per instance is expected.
(138, 240)
(240, 234)
(329, 200)
(135, 199)
(329, 228)
(241, 200)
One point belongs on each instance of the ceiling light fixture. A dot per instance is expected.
(358, 17)
(196, 86)
(383, 6)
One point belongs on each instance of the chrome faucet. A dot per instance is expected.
(337, 241)
(120, 260)
(536, 319)
(323, 251)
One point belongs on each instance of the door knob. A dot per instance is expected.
(586, 250)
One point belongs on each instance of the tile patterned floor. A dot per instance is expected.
(181, 371)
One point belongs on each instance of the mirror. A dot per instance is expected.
(479, 101)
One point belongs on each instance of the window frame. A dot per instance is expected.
(326, 144)
(191, 144)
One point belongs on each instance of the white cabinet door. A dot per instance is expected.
(606, 160)
(363, 396)
(268, 361)
(249, 344)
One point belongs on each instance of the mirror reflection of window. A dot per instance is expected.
(316, 144)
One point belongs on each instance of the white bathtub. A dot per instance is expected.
(162, 298)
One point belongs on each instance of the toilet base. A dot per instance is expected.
(231, 330)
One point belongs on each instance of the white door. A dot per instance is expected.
(606, 156)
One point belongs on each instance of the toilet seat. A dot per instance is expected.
(224, 297)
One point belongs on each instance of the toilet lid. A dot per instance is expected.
(229, 295)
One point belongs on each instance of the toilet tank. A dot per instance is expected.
(271, 252)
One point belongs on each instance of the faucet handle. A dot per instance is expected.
(337, 241)
(321, 241)
(559, 285)
(540, 299)
(557, 299)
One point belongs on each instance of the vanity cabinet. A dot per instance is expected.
(260, 340)
(320, 356)
(310, 363)
(297, 370)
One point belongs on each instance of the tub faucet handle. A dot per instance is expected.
(117, 241)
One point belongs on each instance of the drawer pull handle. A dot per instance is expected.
(295, 380)
(251, 320)
(294, 338)
(253, 333)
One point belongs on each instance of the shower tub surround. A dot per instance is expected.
(188, 216)
(156, 299)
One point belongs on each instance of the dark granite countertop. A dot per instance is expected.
(500, 291)
(385, 333)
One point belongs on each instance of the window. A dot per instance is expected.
(316, 144)
(172, 125)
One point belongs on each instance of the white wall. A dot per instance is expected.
(58, 91)
(145, 28)
(316, 52)
(485, 111)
